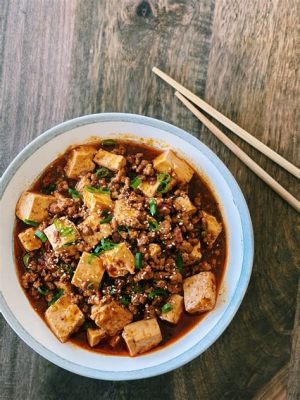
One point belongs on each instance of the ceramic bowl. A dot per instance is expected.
(32, 329)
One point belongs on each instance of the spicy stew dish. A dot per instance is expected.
(120, 247)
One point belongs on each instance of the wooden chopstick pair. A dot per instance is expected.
(184, 95)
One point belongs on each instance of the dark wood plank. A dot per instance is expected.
(62, 59)
(294, 370)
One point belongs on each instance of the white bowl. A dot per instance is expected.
(15, 306)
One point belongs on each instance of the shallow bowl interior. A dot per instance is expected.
(29, 326)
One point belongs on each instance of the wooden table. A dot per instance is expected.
(64, 58)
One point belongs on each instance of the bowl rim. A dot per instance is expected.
(240, 289)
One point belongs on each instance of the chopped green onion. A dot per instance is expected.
(90, 285)
(30, 222)
(104, 245)
(26, 258)
(93, 189)
(58, 293)
(152, 207)
(74, 193)
(157, 292)
(164, 180)
(42, 290)
(108, 143)
(104, 190)
(68, 244)
(123, 228)
(153, 225)
(90, 258)
(125, 300)
(179, 262)
(136, 183)
(67, 268)
(49, 189)
(107, 219)
(112, 291)
(137, 288)
(166, 308)
(102, 172)
(40, 234)
(138, 260)
(63, 231)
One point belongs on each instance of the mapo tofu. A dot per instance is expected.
(120, 247)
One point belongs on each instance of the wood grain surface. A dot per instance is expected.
(60, 59)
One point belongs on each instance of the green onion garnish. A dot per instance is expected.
(137, 288)
(166, 308)
(57, 294)
(74, 193)
(93, 189)
(49, 189)
(112, 291)
(179, 262)
(67, 268)
(138, 260)
(104, 245)
(108, 143)
(106, 220)
(102, 172)
(42, 290)
(64, 231)
(123, 228)
(152, 207)
(90, 285)
(26, 258)
(157, 292)
(125, 300)
(135, 183)
(153, 225)
(40, 234)
(107, 217)
(164, 180)
(30, 222)
(90, 258)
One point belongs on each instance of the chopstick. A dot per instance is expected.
(290, 199)
(242, 133)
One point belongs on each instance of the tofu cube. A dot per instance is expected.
(80, 161)
(97, 201)
(184, 204)
(196, 252)
(114, 162)
(84, 181)
(29, 241)
(174, 315)
(111, 317)
(119, 261)
(142, 336)
(61, 233)
(200, 292)
(89, 270)
(168, 161)
(33, 206)
(213, 227)
(126, 215)
(64, 318)
(98, 231)
(149, 189)
(95, 336)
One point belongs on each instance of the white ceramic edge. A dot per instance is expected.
(243, 282)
